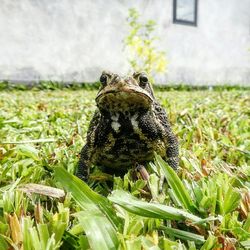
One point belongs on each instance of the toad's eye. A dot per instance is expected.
(143, 80)
(103, 79)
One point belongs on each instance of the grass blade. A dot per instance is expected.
(245, 244)
(211, 243)
(30, 141)
(184, 235)
(232, 200)
(99, 231)
(28, 151)
(3, 243)
(43, 234)
(153, 210)
(84, 195)
(98, 220)
(176, 184)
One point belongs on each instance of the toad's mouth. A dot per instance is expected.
(123, 100)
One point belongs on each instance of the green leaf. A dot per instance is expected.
(152, 210)
(246, 225)
(35, 242)
(176, 184)
(183, 235)
(133, 244)
(245, 244)
(98, 218)
(3, 243)
(148, 244)
(85, 196)
(211, 243)
(28, 151)
(43, 234)
(99, 231)
(232, 200)
(27, 223)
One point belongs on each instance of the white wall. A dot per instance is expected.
(215, 51)
(74, 40)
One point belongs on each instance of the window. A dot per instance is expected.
(185, 12)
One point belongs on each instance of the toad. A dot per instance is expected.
(128, 126)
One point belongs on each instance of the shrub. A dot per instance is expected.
(143, 55)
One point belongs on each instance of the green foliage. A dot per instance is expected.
(49, 85)
(85, 197)
(205, 205)
(38, 233)
(151, 210)
(141, 46)
(178, 190)
(97, 218)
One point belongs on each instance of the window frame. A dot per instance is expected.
(185, 22)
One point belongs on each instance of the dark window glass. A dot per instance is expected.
(185, 12)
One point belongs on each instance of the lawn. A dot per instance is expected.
(206, 205)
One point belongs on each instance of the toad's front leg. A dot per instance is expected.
(172, 151)
(82, 171)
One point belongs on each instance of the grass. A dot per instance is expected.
(206, 205)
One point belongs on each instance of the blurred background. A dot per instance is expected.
(178, 41)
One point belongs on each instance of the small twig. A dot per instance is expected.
(30, 141)
(42, 189)
(235, 148)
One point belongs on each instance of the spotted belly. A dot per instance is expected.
(124, 152)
